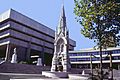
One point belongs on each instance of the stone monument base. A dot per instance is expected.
(55, 74)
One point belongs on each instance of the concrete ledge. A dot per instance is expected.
(78, 76)
(55, 74)
(40, 79)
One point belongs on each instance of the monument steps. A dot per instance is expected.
(8, 76)
(22, 68)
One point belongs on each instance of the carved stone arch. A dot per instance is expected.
(60, 43)
(63, 38)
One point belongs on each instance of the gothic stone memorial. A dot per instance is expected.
(60, 61)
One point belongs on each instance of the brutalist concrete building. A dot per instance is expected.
(31, 38)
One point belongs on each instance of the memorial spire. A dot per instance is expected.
(60, 61)
(62, 22)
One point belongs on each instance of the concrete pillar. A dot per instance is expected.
(28, 54)
(28, 51)
(43, 62)
(8, 55)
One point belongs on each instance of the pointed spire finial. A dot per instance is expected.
(62, 21)
(63, 11)
(63, 2)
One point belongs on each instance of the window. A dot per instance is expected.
(73, 59)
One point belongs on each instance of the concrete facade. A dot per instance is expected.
(31, 38)
(81, 59)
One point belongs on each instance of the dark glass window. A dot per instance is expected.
(73, 59)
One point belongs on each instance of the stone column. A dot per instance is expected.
(66, 59)
(54, 60)
(8, 55)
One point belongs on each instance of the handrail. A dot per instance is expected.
(2, 62)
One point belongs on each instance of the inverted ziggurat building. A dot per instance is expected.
(33, 40)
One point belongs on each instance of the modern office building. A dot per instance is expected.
(81, 58)
(31, 38)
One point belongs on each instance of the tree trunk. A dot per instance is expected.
(91, 66)
(101, 71)
(111, 69)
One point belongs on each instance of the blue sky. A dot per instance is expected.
(47, 12)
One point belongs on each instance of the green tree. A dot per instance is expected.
(101, 22)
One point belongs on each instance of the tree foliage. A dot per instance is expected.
(100, 20)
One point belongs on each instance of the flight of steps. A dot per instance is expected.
(22, 68)
(8, 76)
(21, 71)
